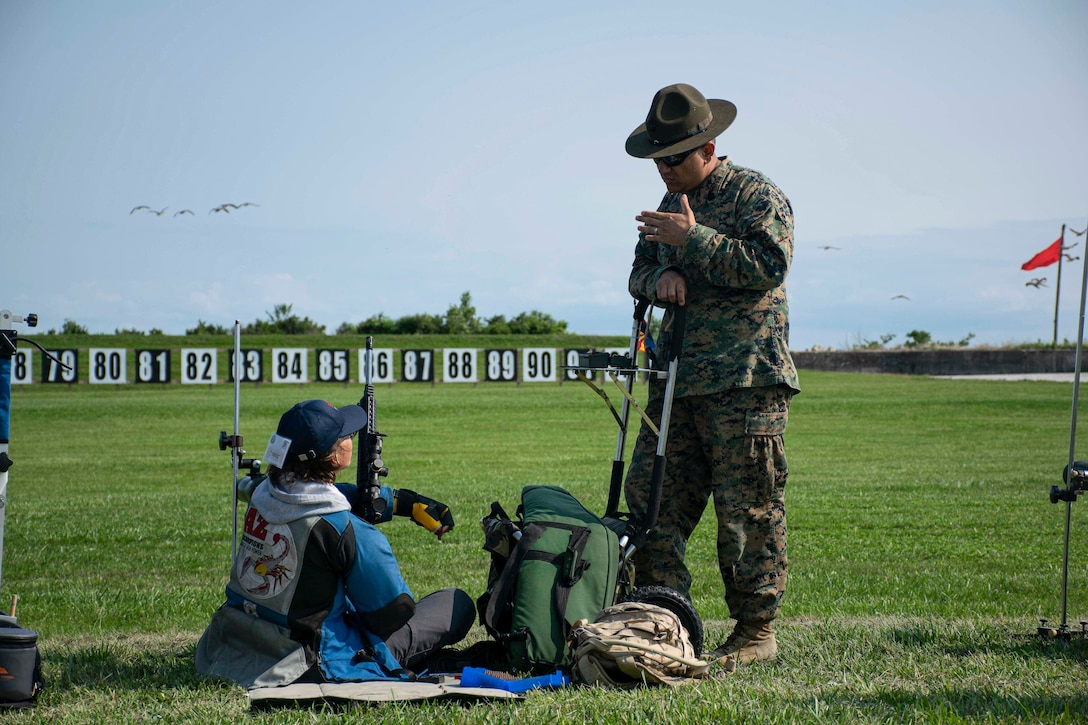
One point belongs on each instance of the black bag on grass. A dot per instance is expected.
(20, 667)
(555, 564)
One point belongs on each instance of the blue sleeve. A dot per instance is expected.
(351, 493)
(374, 583)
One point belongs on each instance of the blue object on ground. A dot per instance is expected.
(479, 677)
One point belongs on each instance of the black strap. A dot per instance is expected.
(502, 593)
(572, 567)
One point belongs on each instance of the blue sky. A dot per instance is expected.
(402, 154)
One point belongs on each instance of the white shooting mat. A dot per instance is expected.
(376, 691)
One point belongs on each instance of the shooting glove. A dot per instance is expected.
(428, 513)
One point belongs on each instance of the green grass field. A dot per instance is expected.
(923, 546)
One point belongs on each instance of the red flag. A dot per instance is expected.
(1048, 256)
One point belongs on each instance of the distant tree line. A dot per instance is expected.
(915, 339)
(460, 319)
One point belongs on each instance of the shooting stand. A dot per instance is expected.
(1075, 478)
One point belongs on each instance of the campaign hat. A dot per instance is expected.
(680, 119)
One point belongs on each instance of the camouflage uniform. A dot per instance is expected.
(733, 391)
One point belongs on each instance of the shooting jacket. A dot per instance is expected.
(311, 584)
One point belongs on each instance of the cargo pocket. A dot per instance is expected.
(766, 455)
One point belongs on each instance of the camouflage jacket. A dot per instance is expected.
(734, 260)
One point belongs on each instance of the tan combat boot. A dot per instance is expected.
(751, 641)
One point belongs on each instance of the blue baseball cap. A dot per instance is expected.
(314, 426)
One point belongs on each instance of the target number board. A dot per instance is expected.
(381, 365)
(153, 366)
(60, 366)
(22, 367)
(199, 365)
(250, 365)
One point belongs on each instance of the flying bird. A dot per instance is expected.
(1070, 257)
(228, 206)
(138, 208)
(1037, 282)
(183, 211)
(159, 212)
(900, 297)
(828, 246)
(1080, 233)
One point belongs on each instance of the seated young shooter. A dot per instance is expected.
(315, 593)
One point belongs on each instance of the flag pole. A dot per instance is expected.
(1058, 285)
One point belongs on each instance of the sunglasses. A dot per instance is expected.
(675, 159)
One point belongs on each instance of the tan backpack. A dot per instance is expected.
(633, 644)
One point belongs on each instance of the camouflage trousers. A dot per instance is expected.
(727, 447)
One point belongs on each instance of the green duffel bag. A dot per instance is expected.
(556, 564)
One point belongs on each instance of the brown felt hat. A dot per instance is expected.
(680, 119)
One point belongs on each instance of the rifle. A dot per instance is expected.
(369, 505)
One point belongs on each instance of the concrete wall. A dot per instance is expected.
(964, 361)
